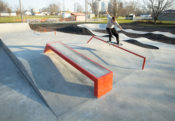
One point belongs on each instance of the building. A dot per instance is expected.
(91, 15)
(35, 11)
(145, 17)
(78, 16)
(28, 13)
(45, 13)
(130, 17)
(8, 14)
(168, 15)
(66, 14)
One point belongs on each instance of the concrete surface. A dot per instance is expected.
(136, 95)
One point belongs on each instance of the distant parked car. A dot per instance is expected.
(146, 16)
(130, 17)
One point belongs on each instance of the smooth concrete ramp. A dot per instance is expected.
(18, 99)
(14, 28)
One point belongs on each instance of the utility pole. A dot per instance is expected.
(21, 10)
(86, 10)
(74, 5)
(63, 6)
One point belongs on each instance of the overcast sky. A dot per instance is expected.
(39, 4)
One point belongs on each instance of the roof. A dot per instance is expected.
(78, 14)
(169, 11)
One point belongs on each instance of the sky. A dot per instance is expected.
(39, 4)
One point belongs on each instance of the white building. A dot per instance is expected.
(168, 15)
(66, 15)
(28, 13)
(45, 13)
(8, 14)
(146, 16)
(78, 16)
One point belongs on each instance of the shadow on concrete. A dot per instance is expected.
(135, 42)
(25, 46)
(13, 78)
(48, 77)
(101, 59)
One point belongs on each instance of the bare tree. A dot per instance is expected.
(18, 11)
(45, 9)
(95, 7)
(158, 6)
(90, 4)
(121, 9)
(3, 6)
(113, 7)
(9, 10)
(53, 8)
(78, 7)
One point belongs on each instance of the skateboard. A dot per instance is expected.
(115, 43)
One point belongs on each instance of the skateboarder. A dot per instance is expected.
(110, 27)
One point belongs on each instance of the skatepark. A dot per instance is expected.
(43, 86)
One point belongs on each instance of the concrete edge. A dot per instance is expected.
(23, 71)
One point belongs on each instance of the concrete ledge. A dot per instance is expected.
(101, 76)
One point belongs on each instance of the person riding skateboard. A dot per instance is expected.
(111, 27)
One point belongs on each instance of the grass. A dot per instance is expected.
(119, 20)
(9, 19)
(158, 23)
(14, 19)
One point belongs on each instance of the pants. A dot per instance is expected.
(112, 31)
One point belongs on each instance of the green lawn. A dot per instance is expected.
(14, 19)
(119, 20)
(9, 19)
(158, 23)
(101, 20)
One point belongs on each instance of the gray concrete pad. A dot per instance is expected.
(136, 95)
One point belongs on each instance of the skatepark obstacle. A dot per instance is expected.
(144, 58)
(101, 76)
